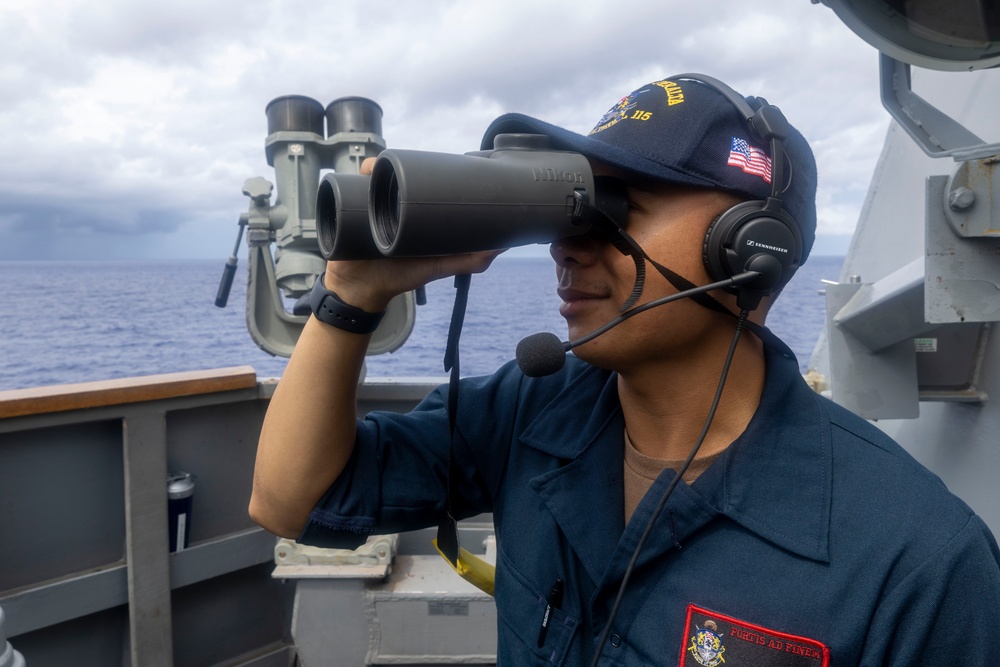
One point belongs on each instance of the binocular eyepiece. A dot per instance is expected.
(419, 203)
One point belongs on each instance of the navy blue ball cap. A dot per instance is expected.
(686, 132)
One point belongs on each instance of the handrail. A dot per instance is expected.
(103, 393)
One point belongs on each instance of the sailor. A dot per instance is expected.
(799, 534)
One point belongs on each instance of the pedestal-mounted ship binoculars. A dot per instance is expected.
(303, 138)
(299, 149)
(418, 203)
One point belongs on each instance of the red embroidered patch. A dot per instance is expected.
(712, 639)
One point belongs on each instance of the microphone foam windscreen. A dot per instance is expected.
(540, 354)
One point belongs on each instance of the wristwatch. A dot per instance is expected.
(330, 308)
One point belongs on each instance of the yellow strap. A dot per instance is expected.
(473, 569)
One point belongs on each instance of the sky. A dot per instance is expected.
(127, 129)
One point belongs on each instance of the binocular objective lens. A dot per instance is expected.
(388, 211)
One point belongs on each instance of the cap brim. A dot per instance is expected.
(627, 161)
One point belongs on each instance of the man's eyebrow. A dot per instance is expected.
(640, 187)
(648, 186)
(647, 189)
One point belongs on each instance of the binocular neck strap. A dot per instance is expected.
(447, 536)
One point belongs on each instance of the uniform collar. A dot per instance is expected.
(586, 436)
(775, 479)
(777, 476)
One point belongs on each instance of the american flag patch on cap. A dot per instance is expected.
(750, 159)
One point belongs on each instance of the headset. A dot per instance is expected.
(758, 233)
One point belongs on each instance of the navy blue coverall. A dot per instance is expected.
(813, 540)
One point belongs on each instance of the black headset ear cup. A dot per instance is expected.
(709, 243)
(748, 230)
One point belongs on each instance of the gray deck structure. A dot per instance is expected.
(85, 573)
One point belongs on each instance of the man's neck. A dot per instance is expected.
(666, 403)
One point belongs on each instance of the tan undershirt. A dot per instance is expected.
(641, 471)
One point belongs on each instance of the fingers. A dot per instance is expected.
(474, 262)
(367, 165)
(370, 284)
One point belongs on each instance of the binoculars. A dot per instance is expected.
(419, 203)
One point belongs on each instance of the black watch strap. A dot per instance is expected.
(330, 308)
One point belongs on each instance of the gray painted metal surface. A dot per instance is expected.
(8, 656)
(971, 206)
(910, 217)
(145, 445)
(870, 383)
(420, 613)
(379, 606)
(425, 614)
(963, 269)
(886, 312)
(935, 132)
(87, 579)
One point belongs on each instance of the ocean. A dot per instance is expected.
(78, 321)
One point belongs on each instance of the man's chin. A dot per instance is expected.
(596, 354)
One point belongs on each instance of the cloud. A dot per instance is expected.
(137, 124)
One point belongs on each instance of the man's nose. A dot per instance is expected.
(576, 250)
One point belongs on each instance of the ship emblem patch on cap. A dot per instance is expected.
(750, 159)
(618, 112)
(625, 108)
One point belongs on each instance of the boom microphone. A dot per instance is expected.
(543, 353)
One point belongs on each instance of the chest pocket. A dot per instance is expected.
(521, 608)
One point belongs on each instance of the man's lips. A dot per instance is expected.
(574, 294)
(575, 300)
